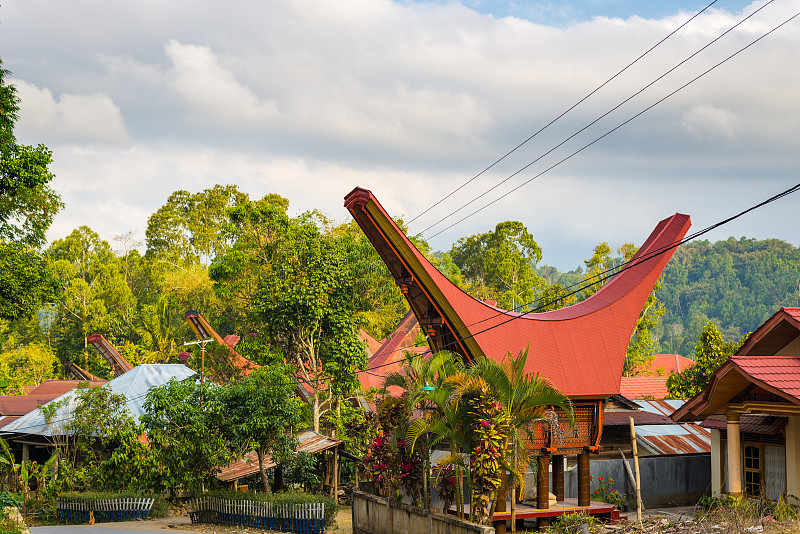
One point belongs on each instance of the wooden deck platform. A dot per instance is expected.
(602, 510)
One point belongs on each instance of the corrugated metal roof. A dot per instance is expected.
(674, 439)
(757, 424)
(309, 441)
(639, 418)
(134, 385)
(663, 406)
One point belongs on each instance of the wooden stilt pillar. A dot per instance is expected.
(583, 479)
(543, 488)
(558, 476)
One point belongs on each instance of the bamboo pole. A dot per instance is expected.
(636, 467)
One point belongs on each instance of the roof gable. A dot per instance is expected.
(776, 333)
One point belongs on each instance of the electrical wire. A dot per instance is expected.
(642, 112)
(580, 286)
(553, 121)
(595, 121)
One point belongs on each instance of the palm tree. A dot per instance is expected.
(422, 380)
(525, 398)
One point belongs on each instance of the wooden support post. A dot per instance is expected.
(583, 479)
(335, 483)
(734, 454)
(543, 488)
(558, 476)
(636, 468)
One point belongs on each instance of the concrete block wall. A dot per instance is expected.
(378, 515)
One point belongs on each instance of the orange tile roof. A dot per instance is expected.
(643, 387)
(778, 372)
(670, 363)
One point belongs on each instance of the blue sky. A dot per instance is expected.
(562, 13)
(310, 98)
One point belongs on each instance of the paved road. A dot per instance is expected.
(164, 525)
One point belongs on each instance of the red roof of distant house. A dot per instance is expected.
(22, 404)
(372, 344)
(644, 387)
(56, 388)
(580, 349)
(670, 363)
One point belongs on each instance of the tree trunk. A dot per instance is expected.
(264, 479)
(316, 411)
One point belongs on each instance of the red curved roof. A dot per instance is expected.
(580, 349)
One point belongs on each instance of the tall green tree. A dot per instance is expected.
(710, 352)
(295, 279)
(27, 208)
(262, 413)
(95, 296)
(188, 225)
(501, 264)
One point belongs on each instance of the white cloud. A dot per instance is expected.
(70, 118)
(211, 91)
(310, 98)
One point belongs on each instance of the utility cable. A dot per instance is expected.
(598, 119)
(576, 104)
(600, 277)
(642, 112)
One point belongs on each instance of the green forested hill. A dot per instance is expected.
(736, 283)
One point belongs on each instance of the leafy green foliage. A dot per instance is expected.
(27, 365)
(188, 225)
(710, 352)
(90, 417)
(737, 283)
(27, 204)
(262, 411)
(303, 469)
(501, 265)
(26, 281)
(182, 423)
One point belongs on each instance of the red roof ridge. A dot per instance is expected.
(591, 336)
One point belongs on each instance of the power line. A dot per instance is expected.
(576, 104)
(648, 108)
(580, 286)
(595, 121)
(609, 273)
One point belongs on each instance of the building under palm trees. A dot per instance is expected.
(580, 349)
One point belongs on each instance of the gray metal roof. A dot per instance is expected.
(134, 385)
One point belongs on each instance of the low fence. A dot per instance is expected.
(103, 510)
(378, 515)
(306, 518)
